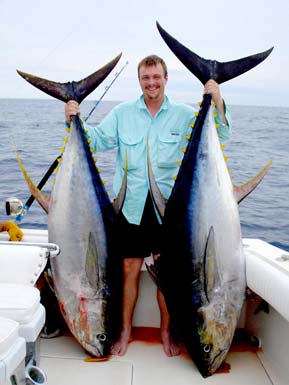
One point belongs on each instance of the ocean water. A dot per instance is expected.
(260, 134)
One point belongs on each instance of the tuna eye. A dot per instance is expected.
(207, 348)
(101, 337)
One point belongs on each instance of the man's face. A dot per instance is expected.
(152, 81)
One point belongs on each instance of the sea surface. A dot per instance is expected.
(260, 134)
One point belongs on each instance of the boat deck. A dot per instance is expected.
(145, 363)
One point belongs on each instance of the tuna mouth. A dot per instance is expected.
(216, 362)
(99, 347)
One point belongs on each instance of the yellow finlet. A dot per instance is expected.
(184, 149)
(217, 125)
(175, 177)
(188, 137)
(67, 129)
(62, 149)
(180, 163)
(88, 141)
(222, 147)
(196, 114)
(215, 114)
(65, 140)
(192, 124)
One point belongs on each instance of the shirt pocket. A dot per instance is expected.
(169, 149)
(133, 148)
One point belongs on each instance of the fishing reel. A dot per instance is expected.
(15, 207)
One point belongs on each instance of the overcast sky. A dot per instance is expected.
(67, 40)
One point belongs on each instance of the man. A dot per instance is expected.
(156, 123)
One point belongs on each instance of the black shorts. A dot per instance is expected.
(139, 241)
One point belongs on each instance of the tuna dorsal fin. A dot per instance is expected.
(71, 90)
(205, 69)
(118, 202)
(241, 192)
(157, 196)
(91, 264)
(41, 198)
(212, 277)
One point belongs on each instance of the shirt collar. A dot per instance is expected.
(142, 106)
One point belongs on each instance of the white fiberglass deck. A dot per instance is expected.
(144, 364)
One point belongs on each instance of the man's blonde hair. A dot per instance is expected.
(152, 60)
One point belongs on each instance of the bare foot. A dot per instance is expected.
(119, 348)
(171, 348)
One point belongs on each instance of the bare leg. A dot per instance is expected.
(131, 274)
(171, 348)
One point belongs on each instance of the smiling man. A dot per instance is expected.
(151, 121)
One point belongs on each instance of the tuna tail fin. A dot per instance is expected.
(205, 69)
(241, 192)
(41, 198)
(71, 90)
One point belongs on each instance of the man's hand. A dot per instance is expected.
(71, 108)
(212, 88)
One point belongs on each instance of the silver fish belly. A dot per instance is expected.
(201, 267)
(76, 224)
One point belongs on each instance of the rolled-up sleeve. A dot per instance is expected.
(224, 130)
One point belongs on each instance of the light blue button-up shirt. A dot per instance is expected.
(130, 128)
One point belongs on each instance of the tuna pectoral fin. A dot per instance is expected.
(211, 69)
(211, 273)
(91, 264)
(240, 192)
(156, 194)
(71, 90)
(41, 198)
(118, 202)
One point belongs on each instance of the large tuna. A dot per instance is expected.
(201, 269)
(80, 221)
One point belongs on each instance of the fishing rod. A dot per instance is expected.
(105, 91)
(13, 205)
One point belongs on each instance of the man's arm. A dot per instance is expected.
(104, 136)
